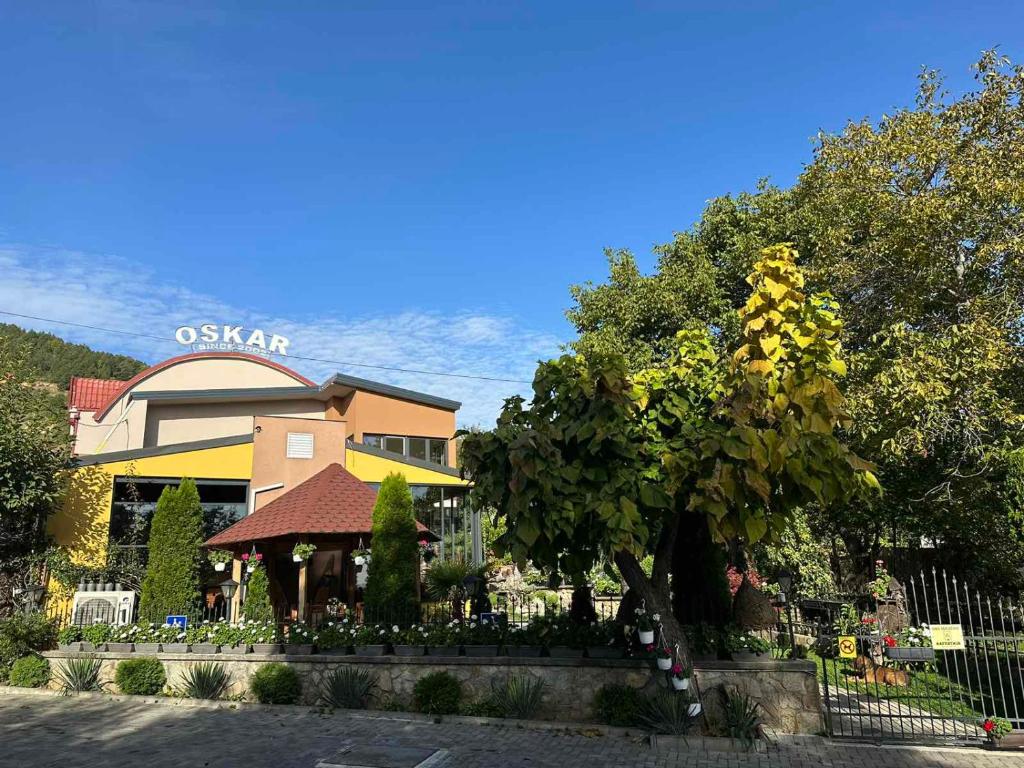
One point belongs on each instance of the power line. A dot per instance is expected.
(138, 335)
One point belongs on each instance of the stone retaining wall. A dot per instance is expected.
(787, 691)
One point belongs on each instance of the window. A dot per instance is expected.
(432, 449)
(300, 445)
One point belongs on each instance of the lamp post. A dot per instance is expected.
(228, 588)
(785, 579)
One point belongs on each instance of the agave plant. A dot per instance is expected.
(347, 688)
(79, 674)
(669, 713)
(208, 680)
(742, 717)
(518, 697)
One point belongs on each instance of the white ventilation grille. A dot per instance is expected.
(300, 445)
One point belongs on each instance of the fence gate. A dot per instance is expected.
(928, 666)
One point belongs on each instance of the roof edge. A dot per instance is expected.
(159, 450)
(399, 458)
(392, 391)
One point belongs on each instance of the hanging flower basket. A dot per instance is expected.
(646, 636)
(680, 683)
(301, 552)
(219, 567)
(664, 659)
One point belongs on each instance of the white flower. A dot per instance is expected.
(656, 617)
(394, 628)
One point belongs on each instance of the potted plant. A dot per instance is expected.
(996, 728)
(680, 676)
(263, 636)
(703, 641)
(220, 559)
(601, 640)
(893, 650)
(229, 638)
(663, 658)
(302, 552)
(251, 563)
(443, 639)
(300, 639)
(150, 636)
(523, 641)
(176, 641)
(70, 638)
(121, 639)
(372, 640)
(480, 637)
(411, 641)
(427, 551)
(361, 556)
(564, 638)
(335, 637)
(745, 646)
(645, 625)
(200, 637)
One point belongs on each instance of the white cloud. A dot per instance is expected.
(111, 292)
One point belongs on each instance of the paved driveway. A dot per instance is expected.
(38, 730)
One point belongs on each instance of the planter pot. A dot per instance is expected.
(344, 650)
(1011, 741)
(75, 647)
(747, 655)
(296, 558)
(370, 650)
(565, 652)
(523, 651)
(299, 649)
(359, 560)
(410, 650)
(235, 650)
(266, 649)
(443, 650)
(664, 664)
(706, 656)
(174, 647)
(91, 647)
(910, 654)
(481, 650)
(646, 636)
(219, 567)
(695, 709)
(604, 652)
(204, 648)
(147, 647)
(680, 683)
(120, 647)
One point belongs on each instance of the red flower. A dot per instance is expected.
(649, 647)
(988, 725)
(889, 640)
(245, 555)
(868, 620)
(259, 556)
(677, 668)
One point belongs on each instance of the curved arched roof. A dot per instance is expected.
(138, 378)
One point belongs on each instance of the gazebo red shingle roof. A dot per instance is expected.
(333, 501)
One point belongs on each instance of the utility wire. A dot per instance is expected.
(138, 335)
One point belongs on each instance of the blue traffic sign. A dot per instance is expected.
(177, 621)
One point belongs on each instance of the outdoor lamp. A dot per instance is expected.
(228, 587)
(785, 580)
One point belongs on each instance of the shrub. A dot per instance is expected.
(347, 688)
(257, 606)
(667, 713)
(30, 672)
(20, 635)
(438, 693)
(79, 674)
(97, 633)
(171, 584)
(276, 683)
(391, 581)
(144, 676)
(618, 705)
(207, 680)
(517, 697)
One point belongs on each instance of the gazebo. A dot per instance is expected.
(333, 510)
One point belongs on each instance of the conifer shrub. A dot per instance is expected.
(171, 584)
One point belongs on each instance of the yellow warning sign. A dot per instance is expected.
(947, 637)
(847, 647)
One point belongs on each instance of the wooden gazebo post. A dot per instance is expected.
(303, 566)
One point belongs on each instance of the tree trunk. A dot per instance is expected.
(657, 600)
(581, 606)
(699, 574)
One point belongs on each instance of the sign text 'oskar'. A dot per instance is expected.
(234, 338)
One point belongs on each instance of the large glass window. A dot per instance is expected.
(224, 502)
(445, 512)
(433, 449)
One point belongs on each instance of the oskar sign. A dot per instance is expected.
(231, 338)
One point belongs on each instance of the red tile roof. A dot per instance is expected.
(89, 394)
(333, 501)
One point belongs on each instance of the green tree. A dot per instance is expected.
(171, 584)
(604, 464)
(391, 581)
(257, 606)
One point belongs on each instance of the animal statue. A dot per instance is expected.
(873, 673)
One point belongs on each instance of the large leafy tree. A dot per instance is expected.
(915, 223)
(604, 464)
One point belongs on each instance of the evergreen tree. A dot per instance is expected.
(257, 605)
(171, 585)
(391, 581)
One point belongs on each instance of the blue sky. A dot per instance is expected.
(411, 184)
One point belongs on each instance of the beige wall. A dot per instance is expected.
(270, 463)
(168, 424)
(368, 412)
(123, 428)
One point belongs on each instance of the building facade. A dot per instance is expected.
(274, 456)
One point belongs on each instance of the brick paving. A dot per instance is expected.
(38, 730)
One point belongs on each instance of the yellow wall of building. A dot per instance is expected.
(373, 469)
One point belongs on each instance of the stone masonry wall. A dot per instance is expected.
(787, 691)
